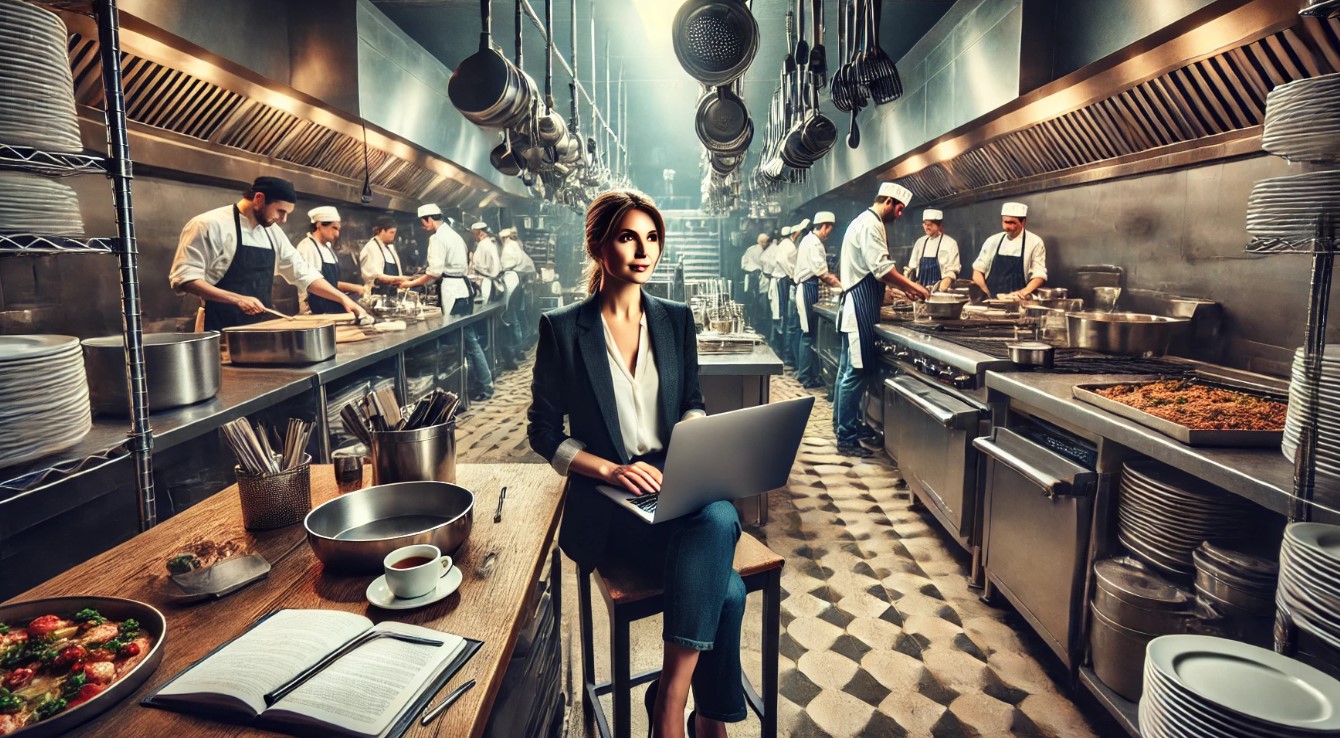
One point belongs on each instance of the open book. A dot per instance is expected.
(375, 689)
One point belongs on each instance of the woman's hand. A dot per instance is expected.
(639, 477)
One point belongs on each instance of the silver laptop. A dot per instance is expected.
(722, 457)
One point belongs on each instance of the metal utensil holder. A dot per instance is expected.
(419, 455)
(276, 500)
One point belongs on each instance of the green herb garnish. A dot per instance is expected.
(89, 615)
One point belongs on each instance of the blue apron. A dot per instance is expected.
(1007, 272)
(252, 274)
(330, 271)
(866, 296)
(928, 269)
(809, 294)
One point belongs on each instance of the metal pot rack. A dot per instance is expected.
(117, 167)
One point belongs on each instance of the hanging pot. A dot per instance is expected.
(552, 128)
(715, 40)
(722, 120)
(504, 160)
(483, 80)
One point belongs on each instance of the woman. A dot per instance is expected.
(622, 365)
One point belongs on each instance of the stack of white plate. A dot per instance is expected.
(1288, 208)
(1204, 687)
(45, 393)
(1164, 514)
(36, 87)
(1327, 419)
(1303, 120)
(31, 203)
(1309, 587)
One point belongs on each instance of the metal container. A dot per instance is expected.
(114, 608)
(354, 532)
(1031, 353)
(419, 455)
(1118, 655)
(180, 369)
(1134, 334)
(950, 307)
(275, 500)
(300, 344)
(1139, 599)
(1051, 293)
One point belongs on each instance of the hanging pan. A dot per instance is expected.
(482, 81)
(722, 119)
(715, 40)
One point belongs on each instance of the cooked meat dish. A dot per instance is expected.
(1200, 407)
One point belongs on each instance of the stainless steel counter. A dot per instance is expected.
(1263, 476)
(761, 361)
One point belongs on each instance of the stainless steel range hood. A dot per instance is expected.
(199, 116)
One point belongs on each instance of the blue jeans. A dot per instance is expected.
(481, 375)
(704, 596)
(847, 391)
(807, 363)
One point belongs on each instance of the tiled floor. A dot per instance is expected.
(881, 635)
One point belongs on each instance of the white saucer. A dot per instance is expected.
(380, 595)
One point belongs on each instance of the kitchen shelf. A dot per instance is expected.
(1121, 709)
(1303, 247)
(49, 163)
(28, 243)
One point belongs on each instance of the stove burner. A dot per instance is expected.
(1068, 361)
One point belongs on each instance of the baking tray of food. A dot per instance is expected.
(1194, 410)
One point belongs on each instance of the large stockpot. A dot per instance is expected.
(179, 368)
(301, 344)
(1134, 334)
(1131, 607)
(353, 533)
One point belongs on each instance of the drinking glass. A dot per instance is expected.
(1105, 298)
(348, 469)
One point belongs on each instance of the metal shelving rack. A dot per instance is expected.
(117, 167)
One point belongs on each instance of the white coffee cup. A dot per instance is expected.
(413, 571)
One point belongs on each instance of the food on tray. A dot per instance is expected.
(1199, 406)
(52, 663)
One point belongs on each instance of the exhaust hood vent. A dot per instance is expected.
(171, 100)
(1222, 94)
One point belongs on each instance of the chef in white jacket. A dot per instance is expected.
(782, 278)
(935, 257)
(864, 268)
(811, 269)
(1012, 263)
(317, 248)
(509, 257)
(378, 261)
(751, 263)
(487, 264)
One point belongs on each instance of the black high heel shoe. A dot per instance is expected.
(649, 699)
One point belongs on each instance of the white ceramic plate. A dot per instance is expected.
(28, 347)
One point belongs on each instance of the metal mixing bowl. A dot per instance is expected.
(353, 533)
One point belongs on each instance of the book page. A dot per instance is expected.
(266, 656)
(362, 693)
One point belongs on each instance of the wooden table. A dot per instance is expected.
(491, 604)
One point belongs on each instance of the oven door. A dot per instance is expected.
(929, 432)
(1037, 515)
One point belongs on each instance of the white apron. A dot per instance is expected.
(800, 309)
(774, 298)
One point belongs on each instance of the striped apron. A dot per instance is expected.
(866, 296)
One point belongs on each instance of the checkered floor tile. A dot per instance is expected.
(881, 635)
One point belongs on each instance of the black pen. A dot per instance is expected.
(497, 514)
(446, 702)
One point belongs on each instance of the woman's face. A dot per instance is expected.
(636, 247)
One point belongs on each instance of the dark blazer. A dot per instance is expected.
(572, 378)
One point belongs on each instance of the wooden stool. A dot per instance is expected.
(633, 595)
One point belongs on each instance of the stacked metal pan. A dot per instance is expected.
(1240, 589)
(1164, 514)
(1131, 607)
(1309, 582)
(1203, 687)
(36, 111)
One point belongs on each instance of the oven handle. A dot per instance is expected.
(1052, 486)
(943, 415)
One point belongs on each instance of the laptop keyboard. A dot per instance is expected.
(645, 503)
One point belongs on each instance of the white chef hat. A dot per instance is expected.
(507, 232)
(429, 209)
(324, 214)
(1014, 210)
(824, 216)
(479, 225)
(896, 191)
(786, 230)
(932, 214)
(803, 224)
(764, 238)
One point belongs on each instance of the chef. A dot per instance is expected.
(378, 261)
(317, 248)
(228, 257)
(934, 258)
(864, 268)
(487, 264)
(811, 269)
(510, 260)
(1014, 263)
(449, 261)
(751, 264)
(783, 266)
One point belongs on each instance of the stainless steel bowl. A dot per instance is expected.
(180, 369)
(945, 309)
(114, 608)
(1134, 334)
(1031, 353)
(301, 344)
(353, 533)
(1051, 293)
